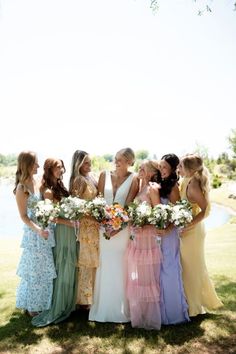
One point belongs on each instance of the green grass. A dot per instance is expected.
(212, 333)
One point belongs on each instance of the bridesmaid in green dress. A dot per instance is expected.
(65, 251)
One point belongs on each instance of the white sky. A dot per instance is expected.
(100, 75)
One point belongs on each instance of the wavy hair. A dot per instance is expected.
(25, 164)
(194, 163)
(48, 180)
(168, 183)
(152, 166)
(76, 163)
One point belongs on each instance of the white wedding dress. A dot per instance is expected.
(110, 303)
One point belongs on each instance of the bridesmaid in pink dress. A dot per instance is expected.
(144, 259)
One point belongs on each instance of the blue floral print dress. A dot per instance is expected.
(36, 267)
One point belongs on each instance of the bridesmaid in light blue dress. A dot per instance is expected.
(36, 266)
(174, 308)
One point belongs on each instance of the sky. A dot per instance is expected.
(101, 75)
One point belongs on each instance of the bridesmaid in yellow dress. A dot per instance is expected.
(84, 186)
(194, 187)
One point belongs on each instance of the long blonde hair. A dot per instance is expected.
(25, 164)
(77, 161)
(194, 163)
(152, 166)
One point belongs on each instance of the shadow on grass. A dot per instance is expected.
(17, 332)
(226, 291)
(78, 335)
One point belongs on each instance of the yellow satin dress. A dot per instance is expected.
(199, 289)
(88, 237)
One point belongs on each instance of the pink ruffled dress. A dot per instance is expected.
(143, 257)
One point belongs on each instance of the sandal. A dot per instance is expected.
(32, 314)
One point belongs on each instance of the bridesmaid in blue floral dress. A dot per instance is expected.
(174, 308)
(36, 267)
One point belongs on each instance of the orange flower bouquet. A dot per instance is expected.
(116, 218)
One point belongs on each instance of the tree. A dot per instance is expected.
(232, 141)
(141, 154)
(108, 157)
(207, 7)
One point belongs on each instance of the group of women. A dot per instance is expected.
(155, 277)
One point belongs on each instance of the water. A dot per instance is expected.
(218, 217)
(10, 222)
(11, 225)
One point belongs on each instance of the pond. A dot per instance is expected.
(11, 224)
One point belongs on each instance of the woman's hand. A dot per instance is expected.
(164, 232)
(161, 232)
(43, 233)
(154, 186)
(185, 229)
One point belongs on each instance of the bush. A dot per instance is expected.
(216, 181)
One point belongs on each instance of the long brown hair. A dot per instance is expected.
(25, 164)
(48, 180)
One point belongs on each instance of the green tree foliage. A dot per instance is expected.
(8, 160)
(108, 157)
(99, 163)
(201, 7)
(216, 181)
(232, 141)
(141, 154)
(223, 158)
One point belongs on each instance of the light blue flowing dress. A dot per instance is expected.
(36, 267)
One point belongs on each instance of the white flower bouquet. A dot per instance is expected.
(139, 213)
(181, 213)
(160, 216)
(96, 208)
(45, 212)
(72, 208)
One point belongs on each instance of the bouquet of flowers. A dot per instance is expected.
(45, 212)
(72, 208)
(116, 218)
(160, 216)
(96, 208)
(139, 213)
(181, 213)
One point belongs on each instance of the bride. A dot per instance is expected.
(110, 302)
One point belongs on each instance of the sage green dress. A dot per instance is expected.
(65, 285)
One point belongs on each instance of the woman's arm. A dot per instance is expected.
(133, 190)
(174, 194)
(154, 194)
(101, 183)
(195, 195)
(21, 200)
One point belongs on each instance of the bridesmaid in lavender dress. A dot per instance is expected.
(174, 308)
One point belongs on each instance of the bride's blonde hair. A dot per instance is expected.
(194, 163)
(129, 154)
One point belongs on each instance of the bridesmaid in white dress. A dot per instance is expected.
(110, 303)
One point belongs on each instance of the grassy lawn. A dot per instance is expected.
(211, 333)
